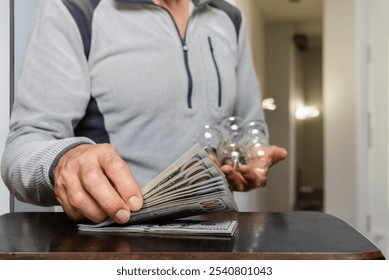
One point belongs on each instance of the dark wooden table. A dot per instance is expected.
(289, 235)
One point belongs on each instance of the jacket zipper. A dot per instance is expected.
(189, 74)
(217, 73)
(185, 50)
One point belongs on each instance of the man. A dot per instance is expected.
(111, 92)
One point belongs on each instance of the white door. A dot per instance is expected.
(378, 92)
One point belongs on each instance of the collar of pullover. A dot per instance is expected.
(195, 2)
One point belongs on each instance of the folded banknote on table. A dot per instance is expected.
(187, 227)
(192, 185)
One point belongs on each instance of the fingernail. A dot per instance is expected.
(122, 216)
(134, 203)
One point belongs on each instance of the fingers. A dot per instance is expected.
(122, 180)
(278, 154)
(76, 195)
(234, 178)
(92, 181)
(96, 184)
(255, 177)
(214, 158)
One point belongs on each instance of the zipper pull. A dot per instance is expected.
(185, 47)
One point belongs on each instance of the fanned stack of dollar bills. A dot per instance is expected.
(192, 185)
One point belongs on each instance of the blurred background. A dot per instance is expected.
(323, 71)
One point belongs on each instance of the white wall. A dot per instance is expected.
(4, 93)
(340, 119)
(362, 100)
(373, 74)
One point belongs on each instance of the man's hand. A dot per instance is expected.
(94, 182)
(249, 177)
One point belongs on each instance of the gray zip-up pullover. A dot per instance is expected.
(105, 71)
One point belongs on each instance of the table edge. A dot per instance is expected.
(376, 255)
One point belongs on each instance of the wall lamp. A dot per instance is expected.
(269, 104)
(307, 112)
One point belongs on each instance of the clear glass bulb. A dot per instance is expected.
(260, 157)
(232, 154)
(209, 137)
(253, 133)
(231, 128)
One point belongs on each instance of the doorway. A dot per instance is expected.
(286, 38)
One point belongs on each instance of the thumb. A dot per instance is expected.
(279, 154)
